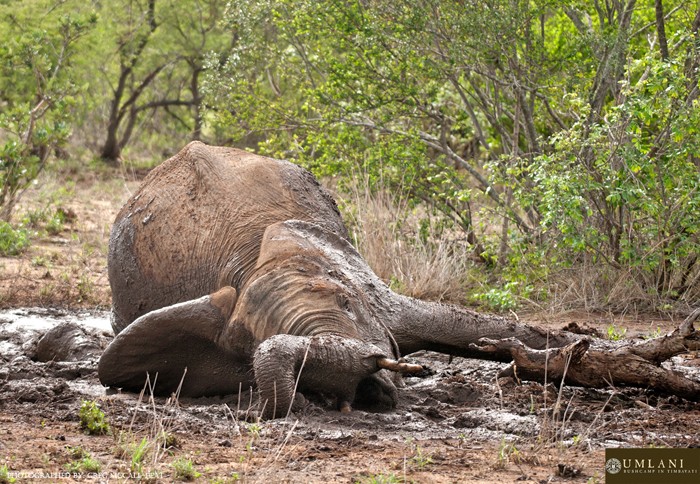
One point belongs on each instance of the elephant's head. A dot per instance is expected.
(304, 322)
(320, 329)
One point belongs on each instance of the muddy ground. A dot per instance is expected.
(456, 423)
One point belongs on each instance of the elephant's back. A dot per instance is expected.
(196, 224)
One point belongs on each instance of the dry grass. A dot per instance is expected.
(386, 232)
(596, 288)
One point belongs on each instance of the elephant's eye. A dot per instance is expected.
(343, 301)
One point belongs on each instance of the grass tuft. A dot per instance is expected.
(184, 469)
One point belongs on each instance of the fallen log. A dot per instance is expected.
(596, 363)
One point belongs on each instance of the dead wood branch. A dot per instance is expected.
(602, 364)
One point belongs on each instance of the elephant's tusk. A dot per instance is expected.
(394, 365)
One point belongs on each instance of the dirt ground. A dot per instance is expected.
(457, 422)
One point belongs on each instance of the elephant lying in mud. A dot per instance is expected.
(238, 268)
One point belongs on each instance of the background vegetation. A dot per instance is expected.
(506, 152)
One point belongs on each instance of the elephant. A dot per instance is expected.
(237, 270)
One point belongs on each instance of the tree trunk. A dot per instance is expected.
(196, 103)
(111, 152)
(661, 29)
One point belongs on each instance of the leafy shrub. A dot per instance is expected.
(55, 225)
(35, 218)
(92, 419)
(36, 73)
(497, 299)
(12, 241)
(624, 193)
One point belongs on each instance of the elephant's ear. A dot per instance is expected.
(165, 342)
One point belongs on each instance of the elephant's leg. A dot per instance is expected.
(328, 364)
(176, 341)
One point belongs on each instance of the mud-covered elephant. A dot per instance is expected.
(239, 269)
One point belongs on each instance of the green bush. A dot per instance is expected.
(53, 221)
(92, 419)
(497, 299)
(12, 241)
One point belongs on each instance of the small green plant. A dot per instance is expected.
(86, 288)
(167, 440)
(138, 454)
(498, 299)
(122, 447)
(653, 334)
(397, 285)
(77, 452)
(40, 261)
(615, 333)
(55, 224)
(234, 477)
(12, 241)
(52, 221)
(83, 461)
(34, 218)
(507, 452)
(92, 419)
(184, 469)
(5, 475)
(254, 429)
(419, 459)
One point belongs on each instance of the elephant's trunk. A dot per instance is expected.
(276, 364)
(330, 364)
(420, 325)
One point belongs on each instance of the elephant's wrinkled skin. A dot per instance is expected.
(239, 269)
